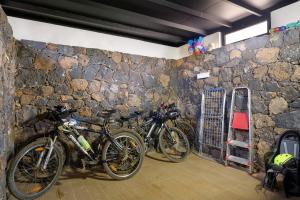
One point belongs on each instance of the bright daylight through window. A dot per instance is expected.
(251, 31)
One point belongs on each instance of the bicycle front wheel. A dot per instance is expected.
(174, 144)
(187, 128)
(26, 178)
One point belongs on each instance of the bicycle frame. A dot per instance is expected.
(161, 125)
(70, 132)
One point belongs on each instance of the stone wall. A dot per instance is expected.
(87, 79)
(91, 79)
(7, 92)
(268, 65)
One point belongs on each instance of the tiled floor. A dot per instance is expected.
(195, 178)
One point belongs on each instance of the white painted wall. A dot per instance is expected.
(182, 51)
(285, 15)
(50, 33)
(45, 32)
(213, 41)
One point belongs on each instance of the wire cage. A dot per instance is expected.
(211, 130)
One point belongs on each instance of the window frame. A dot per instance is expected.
(244, 23)
(265, 31)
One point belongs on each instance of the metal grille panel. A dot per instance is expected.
(211, 133)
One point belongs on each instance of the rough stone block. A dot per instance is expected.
(79, 84)
(278, 105)
(26, 99)
(291, 53)
(276, 39)
(271, 87)
(291, 37)
(267, 55)
(296, 75)
(164, 80)
(221, 56)
(43, 63)
(261, 121)
(288, 120)
(67, 62)
(280, 71)
(117, 57)
(295, 104)
(256, 42)
(134, 101)
(235, 54)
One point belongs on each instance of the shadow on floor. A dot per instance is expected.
(157, 157)
(96, 173)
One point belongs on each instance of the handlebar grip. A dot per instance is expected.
(171, 105)
(67, 112)
(72, 110)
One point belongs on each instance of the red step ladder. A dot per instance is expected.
(240, 122)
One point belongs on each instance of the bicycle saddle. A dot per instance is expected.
(107, 113)
(96, 121)
(131, 116)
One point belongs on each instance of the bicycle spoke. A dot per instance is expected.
(115, 159)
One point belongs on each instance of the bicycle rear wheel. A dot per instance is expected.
(125, 163)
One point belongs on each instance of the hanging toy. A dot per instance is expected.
(278, 29)
(199, 46)
(197, 52)
(202, 48)
(196, 46)
(291, 25)
(282, 28)
(191, 46)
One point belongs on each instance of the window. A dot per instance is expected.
(251, 31)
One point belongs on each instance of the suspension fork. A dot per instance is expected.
(52, 143)
(166, 128)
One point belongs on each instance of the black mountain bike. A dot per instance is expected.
(158, 136)
(37, 166)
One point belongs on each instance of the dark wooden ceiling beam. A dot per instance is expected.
(193, 12)
(245, 6)
(87, 21)
(87, 4)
